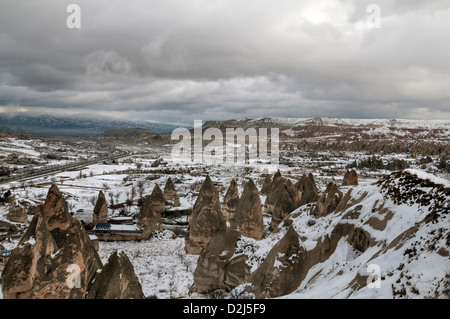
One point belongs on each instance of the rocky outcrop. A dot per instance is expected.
(265, 189)
(117, 280)
(170, 192)
(230, 201)
(55, 259)
(100, 210)
(282, 270)
(282, 200)
(350, 178)
(205, 219)
(149, 217)
(55, 211)
(157, 200)
(329, 201)
(17, 213)
(307, 188)
(396, 164)
(249, 215)
(279, 186)
(215, 267)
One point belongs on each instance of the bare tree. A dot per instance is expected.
(141, 188)
(92, 200)
(111, 198)
(133, 192)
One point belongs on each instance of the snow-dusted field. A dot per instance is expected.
(161, 264)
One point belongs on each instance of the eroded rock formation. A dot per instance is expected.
(215, 267)
(149, 217)
(230, 201)
(100, 210)
(170, 192)
(205, 219)
(282, 270)
(55, 259)
(249, 215)
(350, 178)
(116, 280)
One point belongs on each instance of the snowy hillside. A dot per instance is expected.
(390, 240)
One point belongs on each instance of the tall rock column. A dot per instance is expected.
(230, 201)
(249, 216)
(100, 210)
(55, 259)
(149, 217)
(205, 219)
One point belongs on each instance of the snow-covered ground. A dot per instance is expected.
(161, 264)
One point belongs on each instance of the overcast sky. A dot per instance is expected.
(179, 60)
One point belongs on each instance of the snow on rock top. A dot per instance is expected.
(427, 176)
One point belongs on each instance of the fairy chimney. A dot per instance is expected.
(205, 218)
(230, 201)
(100, 210)
(249, 216)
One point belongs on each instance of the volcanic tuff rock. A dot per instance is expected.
(265, 189)
(307, 188)
(170, 192)
(17, 212)
(230, 201)
(279, 273)
(216, 269)
(249, 216)
(282, 200)
(400, 223)
(329, 200)
(149, 217)
(100, 210)
(117, 280)
(205, 219)
(55, 257)
(350, 178)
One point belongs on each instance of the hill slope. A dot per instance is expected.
(389, 240)
(75, 125)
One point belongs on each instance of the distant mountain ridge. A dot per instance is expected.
(83, 124)
(345, 128)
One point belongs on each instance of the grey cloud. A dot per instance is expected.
(179, 60)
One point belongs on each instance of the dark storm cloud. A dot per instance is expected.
(178, 60)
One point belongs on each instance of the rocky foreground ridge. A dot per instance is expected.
(55, 259)
(386, 240)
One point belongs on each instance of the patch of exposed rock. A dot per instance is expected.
(205, 219)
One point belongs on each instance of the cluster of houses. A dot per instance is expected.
(126, 228)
